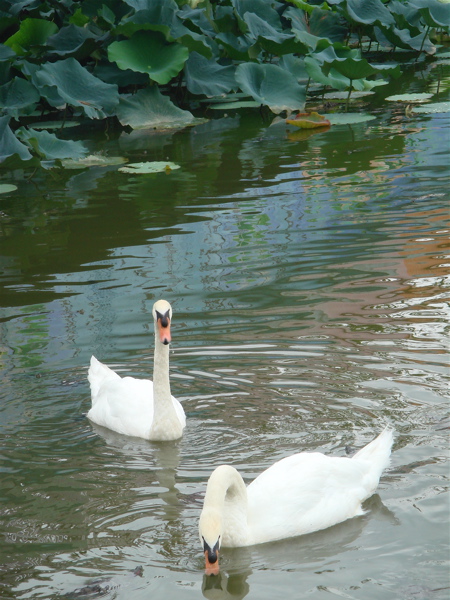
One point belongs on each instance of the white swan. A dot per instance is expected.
(299, 494)
(138, 407)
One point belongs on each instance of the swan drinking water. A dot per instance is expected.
(299, 494)
(138, 407)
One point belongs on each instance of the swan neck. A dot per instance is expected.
(161, 381)
(226, 500)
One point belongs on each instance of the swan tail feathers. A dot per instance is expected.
(377, 455)
(97, 374)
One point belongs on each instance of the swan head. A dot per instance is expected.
(210, 530)
(162, 315)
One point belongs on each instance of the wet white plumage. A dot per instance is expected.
(138, 407)
(299, 494)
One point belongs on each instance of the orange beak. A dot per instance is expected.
(164, 331)
(211, 568)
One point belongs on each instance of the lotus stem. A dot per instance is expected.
(423, 41)
(348, 97)
(307, 85)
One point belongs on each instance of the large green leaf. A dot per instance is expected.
(49, 147)
(207, 77)
(148, 52)
(361, 68)
(272, 40)
(6, 53)
(369, 12)
(272, 86)
(9, 144)
(32, 33)
(18, 96)
(199, 20)
(433, 12)
(295, 66)
(72, 39)
(155, 15)
(148, 108)
(332, 78)
(401, 38)
(237, 47)
(194, 42)
(265, 10)
(320, 26)
(68, 81)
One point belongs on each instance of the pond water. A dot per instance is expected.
(309, 282)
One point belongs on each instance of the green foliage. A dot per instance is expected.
(129, 60)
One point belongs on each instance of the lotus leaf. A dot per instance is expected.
(235, 105)
(50, 147)
(419, 97)
(156, 15)
(143, 168)
(272, 86)
(433, 12)
(208, 77)
(433, 107)
(71, 39)
(54, 124)
(149, 108)
(309, 121)
(348, 118)
(147, 52)
(401, 38)
(271, 39)
(68, 81)
(9, 144)
(344, 95)
(19, 95)
(6, 188)
(32, 33)
(237, 47)
(369, 12)
(93, 160)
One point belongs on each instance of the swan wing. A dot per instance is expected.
(303, 493)
(124, 405)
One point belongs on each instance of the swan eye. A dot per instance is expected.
(164, 319)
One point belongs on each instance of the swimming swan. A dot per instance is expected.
(299, 494)
(138, 407)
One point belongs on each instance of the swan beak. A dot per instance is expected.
(163, 323)
(211, 562)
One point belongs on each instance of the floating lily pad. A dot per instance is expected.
(309, 121)
(344, 95)
(5, 188)
(150, 167)
(222, 99)
(410, 97)
(93, 160)
(233, 105)
(348, 118)
(54, 124)
(434, 107)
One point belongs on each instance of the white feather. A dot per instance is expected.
(134, 406)
(299, 494)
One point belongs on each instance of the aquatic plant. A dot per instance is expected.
(144, 63)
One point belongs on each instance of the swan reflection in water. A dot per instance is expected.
(141, 456)
(231, 583)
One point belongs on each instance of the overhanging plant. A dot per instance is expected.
(142, 63)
